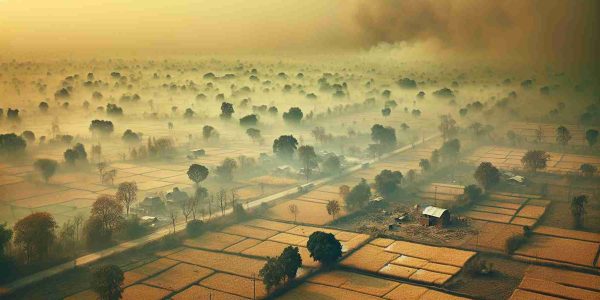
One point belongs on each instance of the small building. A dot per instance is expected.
(435, 216)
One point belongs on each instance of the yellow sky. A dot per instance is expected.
(182, 26)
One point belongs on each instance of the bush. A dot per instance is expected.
(514, 242)
(479, 267)
(239, 212)
(194, 228)
(169, 241)
(133, 228)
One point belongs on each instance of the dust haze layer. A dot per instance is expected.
(547, 31)
(560, 32)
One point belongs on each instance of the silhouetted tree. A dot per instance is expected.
(324, 248)
(578, 210)
(535, 160)
(487, 175)
(46, 167)
(387, 182)
(285, 146)
(107, 282)
(35, 233)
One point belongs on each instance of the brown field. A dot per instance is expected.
(200, 292)
(510, 208)
(553, 249)
(213, 241)
(348, 285)
(140, 291)
(219, 261)
(540, 282)
(237, 285)
(492, 236)
(510, 158)
(178, 277)
(429, 264)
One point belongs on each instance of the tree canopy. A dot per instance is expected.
(324, 247)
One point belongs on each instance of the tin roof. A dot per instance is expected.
(434, 211)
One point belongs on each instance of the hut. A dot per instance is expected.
(435, 216)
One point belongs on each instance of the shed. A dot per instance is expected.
(435, 216)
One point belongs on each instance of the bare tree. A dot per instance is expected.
(127, 194)
(109, 176)
(78, 221)
(101, 166)
(234, 197)
(222, 198)
(211, 199)
(293, 210)
(173, 216)
(187, 206)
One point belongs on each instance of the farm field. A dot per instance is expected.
(510, 208)
(547, 132)
(548, 244)
(348, 285)
(411, 261)
(510, 158)
(550, 283)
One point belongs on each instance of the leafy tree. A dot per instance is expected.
(285, 146)
(563, 136)
(332, 164)
(5, 236)
(225, 170)
(290, 260)
(272, 273)
(535, 160)
(35, 233)
(189, 113)
(249, 120)
(588, 170)
(591, 136)
(43, 106)
(208, 132)
(411, 176)
(130, 137)
(425, 165)
(10, 143)
(471, 194)
(293, 115)
(254, 134)
(384, 136)
(324, 248)
(102, 127)
(358, 195)
(447, 127)
(386, 111)
(109, 212)
(387, 182)
(127, 194)
(450, 149)
(28, 135)
(197, 173)
(578, 209)
(487, 175)
(46, 167)
(435, 157)
(333, 208)
(308, 157)
(226, 110)
(71, 156)
(107, 282)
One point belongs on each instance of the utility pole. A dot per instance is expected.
(435, 197)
